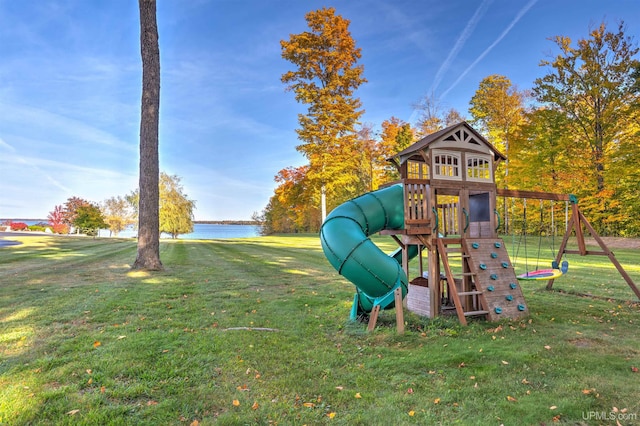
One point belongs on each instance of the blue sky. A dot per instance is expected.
(70, 77)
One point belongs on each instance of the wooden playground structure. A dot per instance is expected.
(448, 179)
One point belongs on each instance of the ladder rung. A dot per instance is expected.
(473, 313)
(469, 293)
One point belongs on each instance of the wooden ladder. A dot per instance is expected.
(445, 253)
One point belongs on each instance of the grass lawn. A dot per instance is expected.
(257, 331)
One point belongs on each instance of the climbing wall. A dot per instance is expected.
(495, 278)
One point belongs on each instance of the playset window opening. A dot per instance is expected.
(447, 166)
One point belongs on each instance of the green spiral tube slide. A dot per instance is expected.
(345, 241)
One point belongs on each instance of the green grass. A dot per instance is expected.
(84, 340)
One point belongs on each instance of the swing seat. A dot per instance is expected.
(541, 274)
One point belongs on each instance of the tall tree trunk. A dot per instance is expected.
(148, 256)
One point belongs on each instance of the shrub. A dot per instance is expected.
(19, 226)
(60, 228)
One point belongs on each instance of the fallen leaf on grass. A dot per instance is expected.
(547, 347)
(553, 407)
(340, 387)
(89, 371)
(410, 390)
(96, 344)
(412, 413)
(436, 401)
(194, 423)
(72, 412)
(634, 369)
(152, 402)
(236, 403)
(505, 363)
(525, 382)
(357, 395)
(511, 399)
(255, 405)
(331, 414)
(308, 404)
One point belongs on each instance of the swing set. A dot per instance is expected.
(556, 271)
(574, 224)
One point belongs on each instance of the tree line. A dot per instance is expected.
(119, 212)
(574, 131)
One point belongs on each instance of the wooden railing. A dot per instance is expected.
(416, 202)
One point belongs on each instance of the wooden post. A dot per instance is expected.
(610, 255)
(575, 215)
(373, 318)
(397, 295)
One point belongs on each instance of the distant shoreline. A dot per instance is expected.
(209, 222)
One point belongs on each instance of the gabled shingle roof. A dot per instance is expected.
(415, 149)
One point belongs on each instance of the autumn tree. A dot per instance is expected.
(89, 219)
(148, 253)
(497, 108)
(395, 136)
(542, 157)
(176, 210)
(325, 79)
(70, 209)
(592, 83)
(56, 220)
(370, 172)
(118, 214)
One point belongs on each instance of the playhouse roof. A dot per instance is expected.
(467, 133)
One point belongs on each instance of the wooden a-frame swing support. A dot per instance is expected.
(575, 224)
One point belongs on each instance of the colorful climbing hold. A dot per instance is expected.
(483, 266)
(494, 255)
(490, 288)
(505, 265)
(509, 297)
(513, 286)
(521, 308)
(498, 310)
(475, 245)
(493, 276)
(497, 244)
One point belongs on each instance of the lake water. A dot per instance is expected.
(201, 231)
